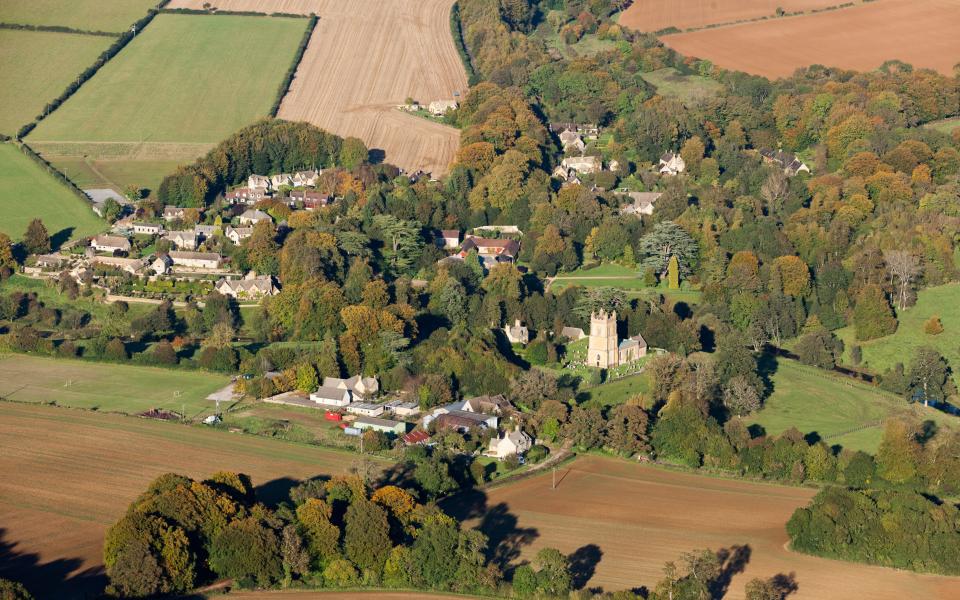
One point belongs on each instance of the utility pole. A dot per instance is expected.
(554, 472)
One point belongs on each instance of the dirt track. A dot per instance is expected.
(654, 15)
(65, 475)
(639, 517)
(924, 33)
(366, 57)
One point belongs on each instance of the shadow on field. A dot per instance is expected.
(55, 579)
(506, 537)
(60, 238)
(583, 564)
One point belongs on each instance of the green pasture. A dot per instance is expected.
(186, 78)
(36, 67)
(27, 191)
(114, 173)
(107, 387)
(88, 15)
(688, 88)
(945, 125)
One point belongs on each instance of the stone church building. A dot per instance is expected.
(605, 349)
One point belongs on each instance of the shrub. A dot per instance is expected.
(933, 326)
(537, 453)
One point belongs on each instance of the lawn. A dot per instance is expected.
(107, 387)
(88, 15)
(35, 68)
(839, 410)
(28, 192)
(689, 88)
(47, 292)
(114, 173)
(945, 125)
(186, 78)
(618, 391)
(882, 354)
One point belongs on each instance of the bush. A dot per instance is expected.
(933, 326)
(537, 453)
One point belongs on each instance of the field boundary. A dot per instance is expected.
(235, 13)
(295, 64)
(456, 31)
(55, 172)
(667, 31)
(57, 29)
(142, 150)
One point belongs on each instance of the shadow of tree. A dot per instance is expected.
(733, 561)
(583, 564)
(54, 579)
(60, 238)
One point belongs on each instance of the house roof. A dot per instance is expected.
(256, 215)
(511, 247)
(115, 241)
(572, 333)
(416, 437)
(195, 255)
(636, 340)
(365, 405)
(377, 421)
(330, 393)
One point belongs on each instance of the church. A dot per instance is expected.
(605, 349)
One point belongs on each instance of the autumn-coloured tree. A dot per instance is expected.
(790, 275)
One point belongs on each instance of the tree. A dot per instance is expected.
(402, 244)
(585, 427)
(673, 273)
(819, 348)
(553, 576)
(628, 429)
(367, 535)
(340, 573)
(665, 241)
(36, 240)
(524, 581)
(115, 350)
(323, 537)
(296, 560)
(11, 590)
(904, 268)
(307, 380)
(740, 396)
(533, 386)
(872, 315)
(8, 264)
(929, 375)
(164, 354)
(743, 271)
(791, 274)
(353, 153)
(247, 549)
(434, 550)
(111, 210)
(898, 456)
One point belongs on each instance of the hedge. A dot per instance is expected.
(456, 30)
(288, 77)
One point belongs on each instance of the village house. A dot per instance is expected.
(161, 265)
(671, 164)
(387, 426)
(205, 231)
(256, 182)
(246, 196)
(281, 179)
(330, 396)
(183, 240)
(196, 260)
(514, 443)
(127, 265)
(491, 250)
(452, 416)
(567, 176)
(403, 409)
(583, 165)
(438, 108)
(365, 409)
(517, 333)
(490, 405)
(237, 234)
(573, 334)
(641, 203)
(447, 239)
(254, 216)
(305, 178)
(572, 142)
(147, 228)
(587, 130)
(172, 213)
(360, 388)
(311, 200)
(110, 243)
(249, 288)
(416, 438)
(788, 161)
(49, 261)
(605, 350)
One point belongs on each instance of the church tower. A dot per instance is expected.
(602, 350)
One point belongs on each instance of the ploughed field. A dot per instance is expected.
(637, 517)
(366, 57)
(654, 15)
(66, 475)
(924, 33)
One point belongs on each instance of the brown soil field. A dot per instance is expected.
(283, 595)
(636, 517)
(365, 58)
(66, 475)
(654, 15)
(924, 33)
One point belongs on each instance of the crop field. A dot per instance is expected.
(654, 15)
(634, 518)
(89, 15)
(365, 58)
(35, 68)
(199, 78)
(920, 32)
(28, 191)
(65, 475)
(107, 387)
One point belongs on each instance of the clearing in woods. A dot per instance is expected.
(199, 78)
(107, 387)
(89, 15)
(655, 15)
(35, 68)
(27, 192)
(365, 58)
(920, 32)
(66, 475)
(628, 519)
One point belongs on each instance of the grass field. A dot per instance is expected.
(945, 126)
(89, 15)
(634, 518)
(66, 475)
(47, 293)
(841, 411)
(184, 79)
(882, 354)
(107, 387)
(688, 88)
(28, 192)
(922, 33)
(35, 68)
(114, 173)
